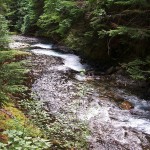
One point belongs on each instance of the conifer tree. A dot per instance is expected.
(11, 71)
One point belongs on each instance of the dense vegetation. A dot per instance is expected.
(24, 124)
(16, 131)
(102, 30)
(11, 70)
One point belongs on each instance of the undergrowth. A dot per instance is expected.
(61, 133)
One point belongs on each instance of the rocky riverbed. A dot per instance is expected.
(117, 119)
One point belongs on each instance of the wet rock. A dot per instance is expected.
(18, 45)
(90, 78)
(62, 48)
(19, 38)
(120, 71)
(110, 70)
(126, 105)
(115, 96)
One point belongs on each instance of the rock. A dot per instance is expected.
(90, 78)
(118, 68)
(110, 70)
(113, 77)
(115, 97)
(18, 45)
(120, 71)
(80, 77)
(126, 105)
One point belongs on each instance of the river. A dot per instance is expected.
(67, 85)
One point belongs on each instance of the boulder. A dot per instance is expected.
(126, 105)
(18, 45)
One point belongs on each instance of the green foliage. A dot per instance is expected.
(133, 33)
(68, 134)
(39, 116)
(72, 39)
(23, 15)
(12, 118)
(64, 26)
(11, 74)
(85, 25)
(3, 32)
(19, 141)
(58, 17)
(9, 55)
(62, 134)
(134, 3)
(11, 71)
(139, 69)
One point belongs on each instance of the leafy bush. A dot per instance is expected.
(19, 141)
(62, 134)
(11, 78)
(3, 32)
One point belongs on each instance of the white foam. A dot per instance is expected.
(45, 46)
(71, 61)
(139, 124)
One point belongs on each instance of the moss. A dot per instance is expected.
(13, 118)
(13, 33)
(5, 56)
(3, 120)
(3, 138)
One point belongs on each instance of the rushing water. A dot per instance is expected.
(44, 46)
(67, 90)
(70, 61)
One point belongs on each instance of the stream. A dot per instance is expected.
(64, 86)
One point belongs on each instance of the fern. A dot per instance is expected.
(3, 32)
(134, 33)
(139, 69)
(11, 74)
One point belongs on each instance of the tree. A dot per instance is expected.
(103, 30)
(11, 71)
(3, 26)
(23, 15)
(3, 32)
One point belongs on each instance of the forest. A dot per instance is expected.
(111, 37)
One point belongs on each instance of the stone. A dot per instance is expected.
(110, 70)
(126, 105)
(120, 71)
(18, 45)
(115, 96)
